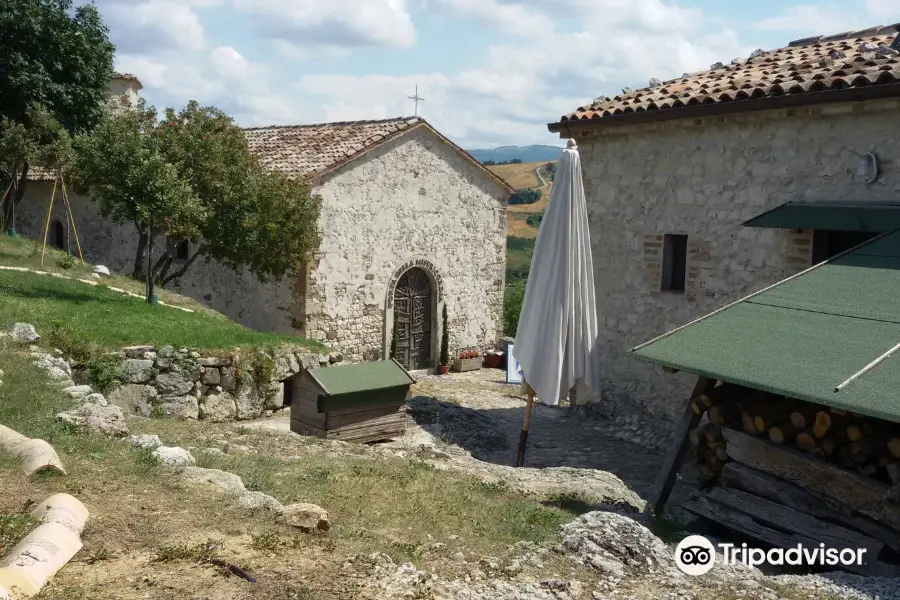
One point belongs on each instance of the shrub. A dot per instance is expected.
(66, 262)
(519, 243)
(512, 307)
(445, 341)
(535, 219)
(525, 197)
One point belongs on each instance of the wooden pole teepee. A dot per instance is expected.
(71, 217)
(47, 220)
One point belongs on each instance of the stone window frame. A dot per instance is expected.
(437, 306)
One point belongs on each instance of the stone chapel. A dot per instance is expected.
(410, 223)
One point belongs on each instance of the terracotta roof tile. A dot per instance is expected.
(129, 77)
(846, 60)
(305, 150)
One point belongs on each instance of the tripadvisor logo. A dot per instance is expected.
(696, 555)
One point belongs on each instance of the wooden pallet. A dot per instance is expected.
(376, 425)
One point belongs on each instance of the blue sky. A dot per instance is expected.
(492, 72)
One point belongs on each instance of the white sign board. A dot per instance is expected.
(513, 370)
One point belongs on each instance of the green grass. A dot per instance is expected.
(141, 514)
(99, 316)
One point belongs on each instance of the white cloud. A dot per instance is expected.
(514, 18)
(156, 25)
(884, 9)
(332, 23)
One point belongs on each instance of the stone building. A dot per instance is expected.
(409, 223)
(705, 188)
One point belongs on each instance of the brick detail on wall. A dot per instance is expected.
(653, 255)
(800, 250)
(697, 257)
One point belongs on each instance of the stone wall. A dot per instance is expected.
(236, 385)
(704, 178)
(412, 199)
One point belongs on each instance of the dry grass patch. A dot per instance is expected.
(517, 227)
(518, 176)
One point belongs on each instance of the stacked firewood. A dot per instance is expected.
(855, 442)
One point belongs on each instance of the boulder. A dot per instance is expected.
(174, 384)
(137, 351)
(221, 481)
(618, 546)
(166, 352)
(101, 270)
(78, 391)
(228, 378)
(145, 441)
(55, 367)
(182, 407)
(211, 376)
(174, 456)
(98, 399)
(137, 370)
(286, 365)
(214, 361)
(91, 418)
(134, 399)
(306, 517)
(24, 333)
(335, 357)
(257, 501)
(217, 407)
(248, 400)
(274, 396)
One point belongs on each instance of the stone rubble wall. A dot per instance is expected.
(704, 178)
(187, 385)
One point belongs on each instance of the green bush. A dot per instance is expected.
(512, 307)
(519, 243)
(534, 219)
(525, 197)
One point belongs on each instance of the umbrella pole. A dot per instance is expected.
(523, 437)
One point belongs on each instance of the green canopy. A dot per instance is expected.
(830, 217)
(806, 335)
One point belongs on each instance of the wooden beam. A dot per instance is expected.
(860, 493)
(774, 524)
(741, 477)
(675, 458)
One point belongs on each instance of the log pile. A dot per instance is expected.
(857, 443)
(785, 472)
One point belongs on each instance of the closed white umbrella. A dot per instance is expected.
(556, 342)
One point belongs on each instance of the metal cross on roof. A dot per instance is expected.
(416, 98)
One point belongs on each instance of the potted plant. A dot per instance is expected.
(469, 360)
(444, 368)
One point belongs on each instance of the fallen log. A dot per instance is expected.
(818, 476)
(783, 432)
(741, 477)
(774, 524)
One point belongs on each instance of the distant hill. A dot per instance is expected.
(523, 153)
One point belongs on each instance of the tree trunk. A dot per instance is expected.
(139, 272)
(184, 268)
(23, 181)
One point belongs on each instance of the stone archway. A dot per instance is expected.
(413, 304)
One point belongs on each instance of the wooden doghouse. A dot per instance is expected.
(352, 403)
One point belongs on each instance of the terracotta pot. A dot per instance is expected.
(443, 369)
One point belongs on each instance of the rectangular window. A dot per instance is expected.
(182, 250)
(674, 267)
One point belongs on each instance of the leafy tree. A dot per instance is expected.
(45, 143)
(519, 243)
(54, 56)
(209, 190)
(489, 163)
(512, 307)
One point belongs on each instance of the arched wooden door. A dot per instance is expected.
(412, 320)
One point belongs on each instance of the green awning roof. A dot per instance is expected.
(830, 217)
(363, 377)
(806, 335)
